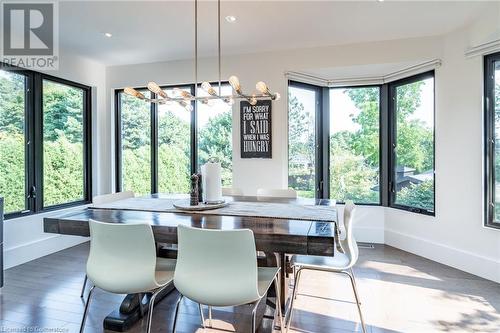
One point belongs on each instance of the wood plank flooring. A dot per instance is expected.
(400, 292)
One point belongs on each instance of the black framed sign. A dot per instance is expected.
(255, 129)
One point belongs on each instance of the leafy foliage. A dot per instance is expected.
(354, 155)
(62, 144)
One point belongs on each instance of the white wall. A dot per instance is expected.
(456, 235)
(24, 238)
(271, 67)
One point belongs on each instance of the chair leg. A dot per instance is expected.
(358, 303)
(176, 313)
(84, 285)
(210, 316)
(278, 304)
(288, 318)
(150, 310)
(201, 315)
(85, 312)
(254, 312)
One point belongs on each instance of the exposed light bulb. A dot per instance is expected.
(253, 100)
(208, 88)
(154, 88)
(186, 105)
(262, 87)
(132, 92)
(235, 83)
(184, 94)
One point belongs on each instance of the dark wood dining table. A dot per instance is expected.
(276, 237)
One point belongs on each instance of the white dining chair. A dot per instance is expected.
(102, 199)
(278, 193)
(122, 260)
(219, 268)
(339, 263)
(232, 191)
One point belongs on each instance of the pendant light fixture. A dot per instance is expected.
(184, 98)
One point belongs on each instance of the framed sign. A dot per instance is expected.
(255, 129)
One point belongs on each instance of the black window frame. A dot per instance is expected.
(34, 142)
(154, 133)
(489, 140)
(387, 125)
(393, 139)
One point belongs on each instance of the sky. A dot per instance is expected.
(342, 107)
(205, 112)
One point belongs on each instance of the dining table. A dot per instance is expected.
(279, 225)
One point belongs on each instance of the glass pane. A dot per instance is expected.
(354, 144)
(174, 147)
(215, 132)
(136, 143)
(497, 139)
(414, 152)
(63, 172)
(301, 140)
(12, 144)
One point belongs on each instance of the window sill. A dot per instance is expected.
(47, 211)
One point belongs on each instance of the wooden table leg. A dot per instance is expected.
(283, 280)
(130, 312)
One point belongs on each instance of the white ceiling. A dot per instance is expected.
(149, 31)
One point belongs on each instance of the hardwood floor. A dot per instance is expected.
(400, 292)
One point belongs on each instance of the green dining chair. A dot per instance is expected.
(218, 268)
(122, 260)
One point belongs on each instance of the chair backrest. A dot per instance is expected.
(216, 267)
(232, 191)
(102, 199)
(349, 244)
(278, 193)
(122, 257)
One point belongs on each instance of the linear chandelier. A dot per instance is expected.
(184, 98)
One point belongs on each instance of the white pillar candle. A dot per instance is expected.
(211, 181)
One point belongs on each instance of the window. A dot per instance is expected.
(135, 139)
(412, 137)
(303, 104)
(156, 146)
(45, 156)
(492, 135)
(13, 133)
(174, 147)
(63, 140)
(215, 123)
(354, 144)
(370, 144)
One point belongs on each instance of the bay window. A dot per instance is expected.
(370, 144)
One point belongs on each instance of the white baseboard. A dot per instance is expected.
(488, 268)
(33, 250)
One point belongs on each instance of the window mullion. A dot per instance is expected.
(37, 144)
(154, 146)
(194, 133)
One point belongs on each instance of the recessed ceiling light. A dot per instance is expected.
(380, 0)
(108, 34)
(230, 18)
